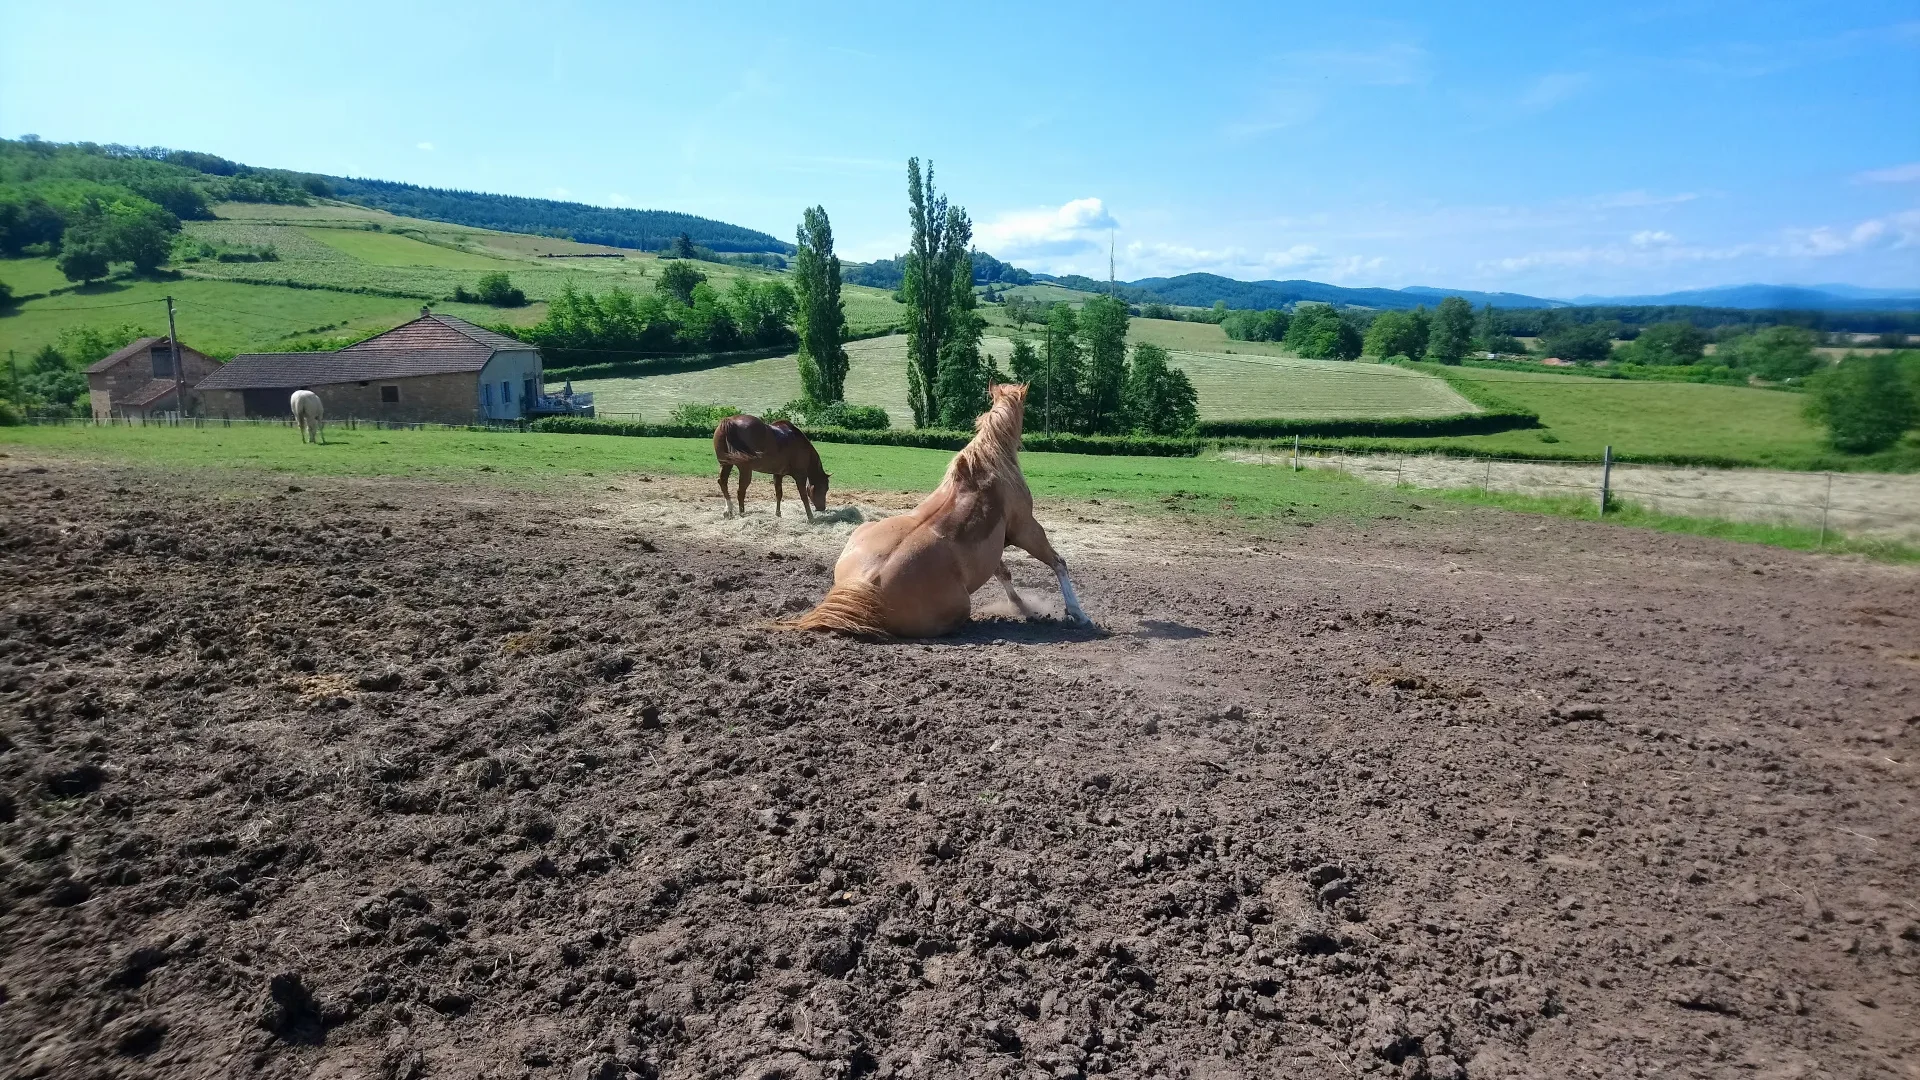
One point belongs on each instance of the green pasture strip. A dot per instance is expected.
(1619, 512)
(1256, 495)
(1184, 485)
(1648, 421)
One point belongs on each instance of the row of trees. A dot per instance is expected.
(1081, 378)
(682, 314)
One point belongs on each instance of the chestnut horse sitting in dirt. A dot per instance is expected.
(753, 445)
(914, 575)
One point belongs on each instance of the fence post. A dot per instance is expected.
(1606, 477)
(1826, 505)
(1296, 453)
(1486, 485)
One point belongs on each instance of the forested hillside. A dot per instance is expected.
(45, 187)
(647, 230)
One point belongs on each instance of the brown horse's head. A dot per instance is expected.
(817, 487)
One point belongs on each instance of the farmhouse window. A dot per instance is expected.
(486, 394)
(389, 395)
(162, 363)
(506, 393)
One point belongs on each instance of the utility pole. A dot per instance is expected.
(1111, 289)
(1049, 412)
(13, 378)
(173, 343)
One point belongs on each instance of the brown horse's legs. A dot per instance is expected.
(779, 482)
(1028, 536)
(746, 474)
(1006, 582)
(726, 497)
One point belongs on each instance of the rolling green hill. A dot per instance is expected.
(341, 271)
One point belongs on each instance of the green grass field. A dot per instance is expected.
(1659, 419)
(1252, 493)
(1230, 386)
(222, 317)
(1259, 497)
(335, 248)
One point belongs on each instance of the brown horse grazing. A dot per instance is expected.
(753, 445)
(914, 575)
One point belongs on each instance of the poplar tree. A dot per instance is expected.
(925, 293)
(1103, 334)
(819, 313)
(1053, 388)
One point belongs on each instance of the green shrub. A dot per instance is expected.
(695, 415)
(1777, 354)
(82, 262)
(840, 414)
(497, 290)
(9, 416)
(1865, 403)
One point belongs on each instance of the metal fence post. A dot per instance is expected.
(1826, 505)
(1296, 453)
(1606, 477)
(1486, 485)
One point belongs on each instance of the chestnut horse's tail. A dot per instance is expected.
(850, 607)
(729, 447)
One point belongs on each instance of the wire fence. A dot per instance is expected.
(1857, 504)
(349, 423)
(1876, 505)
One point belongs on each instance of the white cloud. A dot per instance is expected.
(614, 198)
(1633, 200)
(1297, 87)
(423, 146)
(1896, 174)
(1551, 89)
(1170, 260)
(1071, 228)
(1899, 230)
(1654, 248)
(1393, 64)
(559, 193)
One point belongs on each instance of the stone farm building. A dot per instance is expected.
(139, 380)
(436, 369)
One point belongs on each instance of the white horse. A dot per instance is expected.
(309, 415)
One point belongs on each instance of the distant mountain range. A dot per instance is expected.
(1778, 297)
(1202, 290)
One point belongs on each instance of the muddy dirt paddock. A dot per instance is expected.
(383, 779)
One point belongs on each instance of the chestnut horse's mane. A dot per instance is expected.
(995, 447)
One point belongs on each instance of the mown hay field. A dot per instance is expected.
(1230, 386)
(1736, 424)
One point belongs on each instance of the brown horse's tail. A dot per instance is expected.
(730, 447)
(850, 607)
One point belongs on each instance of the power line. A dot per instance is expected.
(100, 307)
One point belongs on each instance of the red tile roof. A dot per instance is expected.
(148, 394)
(429, 345)
(125, 352)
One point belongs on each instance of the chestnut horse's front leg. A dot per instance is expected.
(779, 481)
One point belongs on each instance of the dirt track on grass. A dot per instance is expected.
(390, 779)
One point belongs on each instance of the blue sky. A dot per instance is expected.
(1546, 149)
